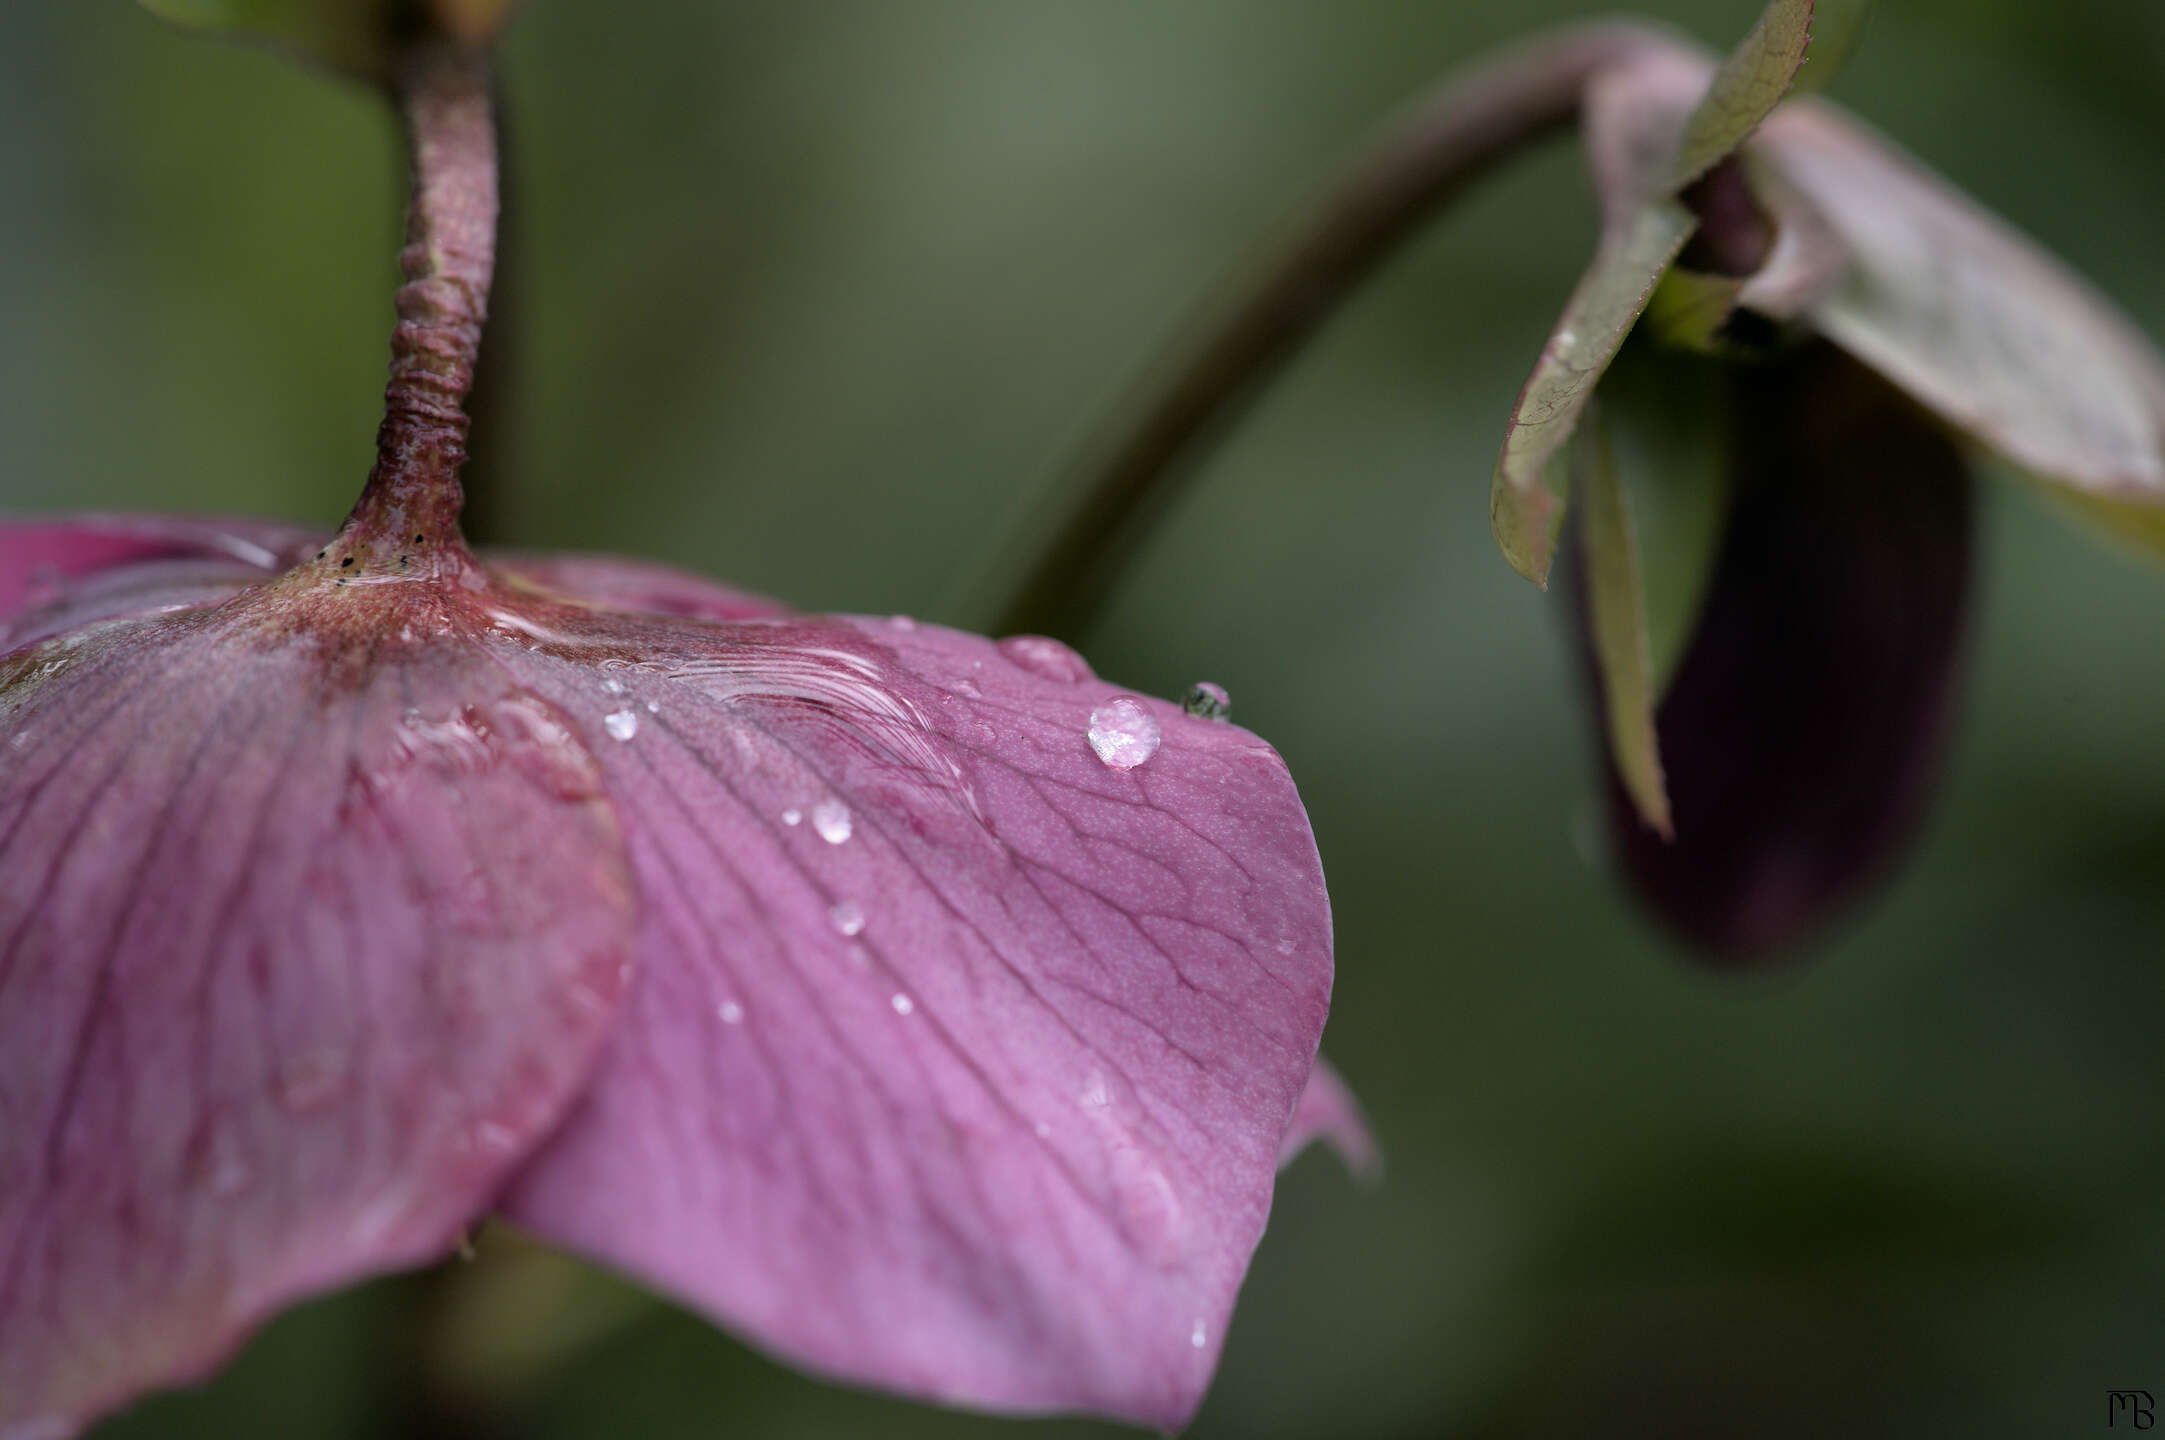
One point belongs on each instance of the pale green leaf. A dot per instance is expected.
(1980, 325)
(1669, 418)
(1616, 617)
(1524, 509)
(1837, 28)
(1745, 90)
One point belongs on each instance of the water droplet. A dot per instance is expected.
(621, 725)
(614, 687)
(1044, 1131)
(313, 1080)
(902, 622)
(1200, 1335)
(903, 1004)
(792, 816)
(731, 1012)
(848, 917)
(1123, 733)
(1044, 658)
(1206, 701)
(653, 707)
(831, 819)
(1567, 340)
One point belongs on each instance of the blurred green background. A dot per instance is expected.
(817, 296)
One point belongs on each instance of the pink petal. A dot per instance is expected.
(311, 923)
(961, 1060)
(611, 582)
(41, 559)
(1328, 1112)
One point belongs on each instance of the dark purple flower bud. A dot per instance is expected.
(1801, 730)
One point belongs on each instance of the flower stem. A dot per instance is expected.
(413, 498)
(1471, 122)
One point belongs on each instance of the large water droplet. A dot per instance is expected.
(621, 725)
(1123, 733)
(831, 819)
(848, 917)
(1206, 701)
(1044, 658)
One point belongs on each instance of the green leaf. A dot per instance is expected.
(354, 36)
(1837, 28)
(1745, 90)
(1616, 613)
(1670, 423)
(1524, 510)
(1979, 325)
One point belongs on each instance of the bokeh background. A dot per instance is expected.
(818, 297)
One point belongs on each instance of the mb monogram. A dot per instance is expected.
(2129, 1408)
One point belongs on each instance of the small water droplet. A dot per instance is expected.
(831, 819)
(1123, 733)
(1200, 1335)
(621, 725)
(614, 687)
(1044, 1131)
(792, 816)
(848, 917)
(902, 622)
(1567, 340)
(1285, 947)
(731, 1012)
(1045, 658)
(1206, 701)
(903, 1004)
(653, 707)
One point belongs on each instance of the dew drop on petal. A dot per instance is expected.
(848, 917)
(902, 622)
(1200, 1335)
(1123, 733)
(614, 687)
(731, 1012)
(621, 725)
(831, 819)
(1045, 658)
(903, 1004)
(792, 816)
(653, 707)
(1206, 701)
(1044, 1131)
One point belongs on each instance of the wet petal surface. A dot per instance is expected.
(312, 920)
(961, 1060)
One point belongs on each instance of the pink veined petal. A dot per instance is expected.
(614, 583)
(960, 1061)
(39, 557)
(312, 922)
(1329, 1113)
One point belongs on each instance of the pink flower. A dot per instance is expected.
(814, 970)
(928, 1009)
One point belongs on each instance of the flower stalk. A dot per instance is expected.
(1472, 122)
(413, 498)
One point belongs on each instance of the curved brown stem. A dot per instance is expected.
(413, 498)
(1446, 140)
